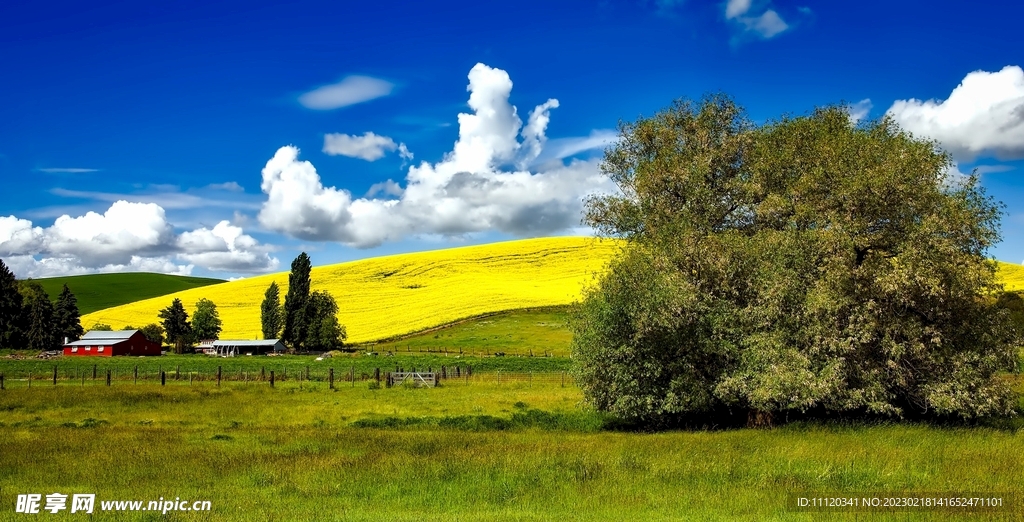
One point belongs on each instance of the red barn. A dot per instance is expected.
(108, 344)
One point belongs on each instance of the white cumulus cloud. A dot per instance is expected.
(983, 115)
(369, 146)
(350, 91)
(766, 25)
(474, 188)
(126, 237)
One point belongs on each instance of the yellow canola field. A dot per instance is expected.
(389, 296)
(1011, 275)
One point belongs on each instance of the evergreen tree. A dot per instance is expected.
(295, 303)
(270, 312)
(41, 333)
(11, 324)
(175, 323)
(67, 320)
(206, 323)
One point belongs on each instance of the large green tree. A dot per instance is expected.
(270, 312)
(40, 333)
(806, 264)
(206, 322)
(154, 333)
(67, 319)
(324, 332)
(11, 324)
(174, 320)
(296, 301)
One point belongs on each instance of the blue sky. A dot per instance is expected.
(221, 140)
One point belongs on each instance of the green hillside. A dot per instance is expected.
(540, 331)
(99, 291)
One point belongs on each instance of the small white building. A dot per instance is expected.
(231, 348)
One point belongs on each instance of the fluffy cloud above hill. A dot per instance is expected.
(983, 115)
(127, 237)
(483, 184)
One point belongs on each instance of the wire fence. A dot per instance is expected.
(455, 375)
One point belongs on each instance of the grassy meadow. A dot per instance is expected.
(479, 452)
(98, 291)
(392, 296)
(513, 442)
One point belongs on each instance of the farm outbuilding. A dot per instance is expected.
(108, 344)
(230, 348)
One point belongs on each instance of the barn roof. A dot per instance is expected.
(121, 335)
(100, 337)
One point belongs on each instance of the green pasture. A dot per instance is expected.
(98, 291)
(542, 331)
(483, 451)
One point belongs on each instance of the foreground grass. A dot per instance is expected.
(290, 454)
(98, 291)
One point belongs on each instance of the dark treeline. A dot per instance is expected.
(29, 319)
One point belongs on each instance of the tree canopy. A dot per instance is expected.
(11, 324)
(40, 333)
(806, 264)
(271, 313)
(176, 326)
(324, 331)
(67, 320)
(206, 323)
(295, 301)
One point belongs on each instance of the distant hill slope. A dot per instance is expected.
(98, 291)
(1011, 275)
(384, 297)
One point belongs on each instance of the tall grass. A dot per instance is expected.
(290, 454)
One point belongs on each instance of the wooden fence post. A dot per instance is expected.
(108, 377)
(307, 374)
(376, 375)
(263, 373)
(29, 379)
(1, 380)
(330, 378)
(190, 378)
(163, 378)
(55, 375)
(136, 374)
(352, 375)
(218, 376)
(271, 378)
(177, 372)
(94, 372)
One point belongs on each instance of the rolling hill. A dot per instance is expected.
(385, 297)
(1012, 276)
(98, 291)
